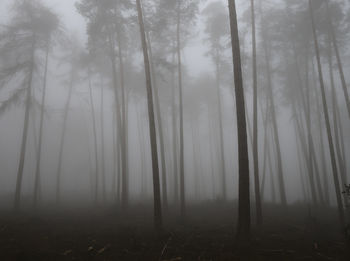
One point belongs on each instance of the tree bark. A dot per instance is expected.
(328, 127)
(63, 134)
(339, 62)
(17, 199)
(41, 125)
(152, 127)
(243, 231)
(255, 123)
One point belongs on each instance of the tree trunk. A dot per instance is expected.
(274, 119)
(325, 112)
(123, 128)
(255, 123)
(95, 137)
(340, 156)
(38, 159)
(160, 126)
(339, 62)
(182, 167)
(152, 127)
(243, 158)
(63, 134)
(17, 199)
(103, 174)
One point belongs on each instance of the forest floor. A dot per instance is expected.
(80, 233)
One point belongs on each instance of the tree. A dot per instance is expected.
(326, 116)
(21, 44)
(243, 231)
(255, 122)
(217, 32)
(152, 126)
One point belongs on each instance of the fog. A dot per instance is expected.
(158, 104)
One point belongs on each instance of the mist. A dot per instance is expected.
(172, 126)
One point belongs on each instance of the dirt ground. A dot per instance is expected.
(106, 233)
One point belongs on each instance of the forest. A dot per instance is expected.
(174, 130)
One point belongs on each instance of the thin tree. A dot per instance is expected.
(327, 121)
(152, 126)
(243, 231)
(255, 122)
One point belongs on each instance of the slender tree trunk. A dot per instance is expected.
(95, 137)
(121, 148)
(275, 128)
(123, 128)
(152, 127)
(160, 126)
(255, 123)
(339, 62)
(174, 141)
(63, 135)
(323, 153)
(221, 136)
(103, 174)
(340, 158)
(114, 139)
(25, 131)
(38, 160)
(325, 112)
(243, 161)
(182, 167)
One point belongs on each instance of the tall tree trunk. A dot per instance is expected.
(221, 136)
(160, 126)
(95, 137)
(41, 124)
(63, 135)
(339, 62)
(255, 123)
(243, 158)
(123, 126)
(103, 174)
(340, 156)
(152, 127)
(121, 138)
(182, 159)
(328, 126)
(17, 199)
(174, 139)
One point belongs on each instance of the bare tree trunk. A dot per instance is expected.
(152, 127)
(63, 134)
(123, 128)
(340, 156)
(255, 123)
(275, 130)
(41, 124)
(17, 199)
(325, 112)
(95, 137)
(121, 138)
(221, 136)
(174, 141)
(103, 174)
(339, 62)
(160, 126)
(182, 167)
(244, 197)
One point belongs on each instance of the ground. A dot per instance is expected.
(106, 233)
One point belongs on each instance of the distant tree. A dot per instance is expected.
(72, 57)
(326, 116)
(217, 33)
(243, 231)
(26, 36)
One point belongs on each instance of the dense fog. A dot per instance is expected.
(122, 103)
